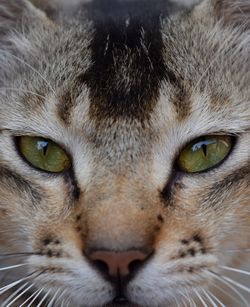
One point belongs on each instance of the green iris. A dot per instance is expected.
(204, 153)
(44, 154)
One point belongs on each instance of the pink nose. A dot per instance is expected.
(118, 264)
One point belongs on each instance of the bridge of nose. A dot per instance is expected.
(121, 214)
(121, 227)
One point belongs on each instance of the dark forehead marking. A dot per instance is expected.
(127, 54)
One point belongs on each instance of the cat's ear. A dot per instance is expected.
(16, 16)
(233, 12)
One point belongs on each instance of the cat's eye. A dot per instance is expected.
(204, 153)
(44, 154)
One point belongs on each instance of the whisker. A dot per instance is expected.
(18, 254)
(19, 295)
(13, 266)
(60, 296)
(187, 297)
(15, 293)
(237, 284)
(37, 295)
(184, 302)
(44, 298)
(235, 270)
(222, 279)
(13, 284)
(53, 299)
(176, 302)
(209, 298)
(226, 293)
(244, 250)
(191, 301)
(215, 298)
(200, 298)
(30, 67)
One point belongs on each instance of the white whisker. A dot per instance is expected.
(176, 302)
(244, 250)
(14, 294)
(13, 284)
(184, 303)
(187, 296)
(222, 279)
(59, 297)
(13, 266)
(53, 299)
(30, 297)
(33, 300)
(235, 270)
(239, 285)
(215, 298)
(19, 295)
(193, 302)
(226, 293)
(209, 298)
(200, 298)
(44, 298)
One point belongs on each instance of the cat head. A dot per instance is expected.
(100, 119)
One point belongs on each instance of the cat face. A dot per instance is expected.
(118, 99)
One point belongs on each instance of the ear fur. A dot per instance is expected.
(233, 12)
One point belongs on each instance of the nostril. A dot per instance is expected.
(101, 266)
(135, 265)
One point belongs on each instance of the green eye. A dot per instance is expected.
(44, 154)
(204, 153)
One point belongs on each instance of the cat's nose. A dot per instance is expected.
(118, 264)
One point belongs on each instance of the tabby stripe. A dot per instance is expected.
(127, 54)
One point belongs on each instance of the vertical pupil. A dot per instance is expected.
(204, 148)
(43, 146)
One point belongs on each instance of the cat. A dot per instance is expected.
(124, 153)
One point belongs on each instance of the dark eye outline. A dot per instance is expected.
(234, 139)
(18, 149)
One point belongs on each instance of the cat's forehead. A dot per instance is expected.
(126, 72)
(127, 65)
